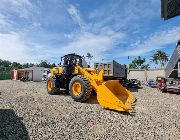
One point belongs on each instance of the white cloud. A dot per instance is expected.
(20, 2)
(102, 35)
(155, 41)
(75, 15)
(12, 48)
(4, 22)
(20, 8)
(131, 15)
(97, 44)
(94, 39)
(21, 50)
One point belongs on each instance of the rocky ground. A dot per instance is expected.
(28, 112)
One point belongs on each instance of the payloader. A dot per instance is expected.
(71, 75)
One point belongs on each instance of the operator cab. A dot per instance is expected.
(69, 61)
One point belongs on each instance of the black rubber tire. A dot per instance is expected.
(86, 88)
(54, 90)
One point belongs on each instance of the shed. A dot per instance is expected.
(33, 73)
(37, 73)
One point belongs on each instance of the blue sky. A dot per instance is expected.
(32, 30)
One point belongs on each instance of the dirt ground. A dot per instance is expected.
(28, 112)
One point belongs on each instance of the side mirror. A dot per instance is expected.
(60, 64)
(48, 71)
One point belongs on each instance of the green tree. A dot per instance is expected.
(46, 64)
(89, 56)
(26, 65)
(138, 63)
(16, 65)
(8, 66)
(43, 63)
(53, 65)
(6, 63)
(160, 57)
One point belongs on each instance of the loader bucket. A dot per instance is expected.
(112, 95)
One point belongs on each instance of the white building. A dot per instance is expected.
(36, 73)
(32, 73)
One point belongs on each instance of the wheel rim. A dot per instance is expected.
(50, 85)
(77, 88)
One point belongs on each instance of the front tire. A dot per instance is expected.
(51, 87)
(80, 88)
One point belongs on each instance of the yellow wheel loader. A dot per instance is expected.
(79, 81)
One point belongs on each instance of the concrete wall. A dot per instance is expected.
(136, 74)
(145, 74)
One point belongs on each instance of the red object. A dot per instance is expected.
(12, 74)
(32, 75)
(161, 84)
(3, 75)
(173, 90)
(21, 73)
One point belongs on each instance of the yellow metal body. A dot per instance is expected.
(56, 70)
(110, 94)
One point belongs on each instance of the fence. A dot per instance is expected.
(5, 76)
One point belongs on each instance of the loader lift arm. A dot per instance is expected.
(110, 94)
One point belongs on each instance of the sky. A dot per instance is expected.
(35, 30)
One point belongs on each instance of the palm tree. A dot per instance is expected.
(160, 57)
(89, 56)
(138, 63)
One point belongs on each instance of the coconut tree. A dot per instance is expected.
(89, 56)
(160, 57)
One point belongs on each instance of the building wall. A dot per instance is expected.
(136, 74)
(37, 73)
(14, 75)
(30, 75)
(145, 74)
(152, 74)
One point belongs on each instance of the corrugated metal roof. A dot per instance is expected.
(172, 62)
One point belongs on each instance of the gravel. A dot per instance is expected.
(28, 112)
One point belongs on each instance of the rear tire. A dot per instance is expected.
(51, 86)
(84, 86)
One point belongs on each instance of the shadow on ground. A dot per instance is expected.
(11, 126)
(175, 93)
(133, 89)
(92, 99)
